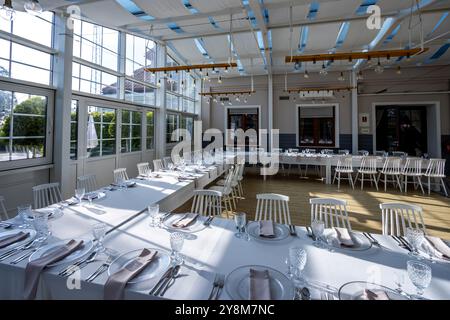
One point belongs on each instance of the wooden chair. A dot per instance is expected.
(120, 173)
(158, 165)
(88, 182)
(46, 194)
(396, 217)
(344, 166)
(274, 207)
(368, 167)
(391, 168)
(207, 203)
(436, 170)
(3, 212)
(143, 168)
(333, 212)
(412, 169)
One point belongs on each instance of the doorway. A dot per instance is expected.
(244, 118)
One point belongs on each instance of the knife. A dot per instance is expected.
(161, 280)
(172, 276)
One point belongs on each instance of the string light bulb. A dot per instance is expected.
(399, 70)
(341, 77)
(306, 74)
(323, 71)
(158, 85)
(359, 76)
(7, 12)
(219, 80)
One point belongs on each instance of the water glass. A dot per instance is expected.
(297, 262)
(240, 219)
(99, 232)
(170, 166)
(24, 212)
(41, 225)
(415, 237)
(420, 275)
(153, 211)
(176, 244)
(318, 227)
(79, 194)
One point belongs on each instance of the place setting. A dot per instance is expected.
(186, 222)
(267, 231)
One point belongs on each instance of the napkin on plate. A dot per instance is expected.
(34, 268)
(375, 295)
(259, 285)
(116, 282)
(185, 221)
(267, 229)
(9, 240)
(439, 245)
(344, 238)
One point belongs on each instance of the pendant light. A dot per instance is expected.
(33, 7)
(379, 68)
(7, 12)
(219, 80)
(359, 76)
(341, 77)
(399, 70)
(306, 74)
(323, 71)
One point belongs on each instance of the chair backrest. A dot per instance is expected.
(143, 168)
(344, 152)
(400, 154)
(207, 203)
(369, 164)
(293, 150)
(381, 153)
(46, 194)
(274, 207)
(241, 172)
(392, 165)
(327, 151)
(3, 212)
(436, 168)
(396, 217)
(310, 150)
(227, 185)
(158, 165)
(120, 173)
(363, 152)
(345, 163)
(412, 166)
(88, 182)
(333, 212)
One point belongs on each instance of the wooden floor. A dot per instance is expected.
(363, 206)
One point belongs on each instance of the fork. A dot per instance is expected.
(215, 285)
(80, 264)
(219, 283)
(14, 251)
(100, 269)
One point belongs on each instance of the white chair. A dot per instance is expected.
(120, 173)
(166, 162)
(381, 153)
(363, 153)
(327, 151)
(396, 217)
(391, 169)
(344, 166)
(143, 168)
(88, 182)
(344, 152)
(3, 212)
(368, 167)
(226, 191)
(436, 170)
(46, 194)
(413, 169)
(274, 207)
(207, 203)
(158, 165)
(237, 190)
(333, 212)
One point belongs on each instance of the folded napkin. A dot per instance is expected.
(185, 221)
(34, 268)
(439, 245)
(375, 295)
(259, 285)
(116, 282)
(266, 229)
(344, 238)
(9, 240)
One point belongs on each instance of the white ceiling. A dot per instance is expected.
(322, 30)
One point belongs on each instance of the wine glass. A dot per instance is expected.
(153, 211)
(318, 227)
(415, 237)
(297, 262)
(120, 182)
(41, 225)
(79, 194)
(176, 243)
(420, 275)
(24, 213)
(240, 219)
(99, 232)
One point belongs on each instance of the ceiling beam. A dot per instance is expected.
(257, 11)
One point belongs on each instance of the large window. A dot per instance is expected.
(150, 115)
(74, 130)
(94, 81)
(131, 131)
(140, 54)
(171, 125)
(23, 126)
(138, 92)
(317, 126)
(19, 61)
(105, 127)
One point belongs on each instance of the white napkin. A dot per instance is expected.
(266, 229)
(259, 285)
(344, 238)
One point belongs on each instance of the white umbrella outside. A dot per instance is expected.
(92, 138)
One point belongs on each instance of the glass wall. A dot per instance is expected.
(105, 127)
(131, 131)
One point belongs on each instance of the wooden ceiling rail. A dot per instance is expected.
(318, 89)
(225, 93)
(193, 67)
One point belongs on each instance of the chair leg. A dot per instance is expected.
(375, 181)
(406, 184)
(334, 178)
(443, 186)
(362, 181)
(351, 180)
(429, 185)
(419, 181)
(385, 183)
(398, 182)
(339, 180)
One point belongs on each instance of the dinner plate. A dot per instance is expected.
(28, 239)
(237, 283)
(355, 291)
(96, 195)
(52, 212)
(196, 226)
(155, 269)
(47, 249)
(281, 232)
(361, 242)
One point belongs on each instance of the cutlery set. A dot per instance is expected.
(103, 267)
(167, 279)
(219, 282)
(17, 250)
(292, 230)
(310, 233)
(208, 221)
(402, 242)
(69, 270)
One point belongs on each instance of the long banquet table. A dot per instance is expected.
(212, 250)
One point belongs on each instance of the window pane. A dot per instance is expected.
(27, 73)
(30, 56)
(108, 147)
(41, 30)
(28, 148)
(74, 130)
(139, 93)
(105, 126)
(150, 129)
(140, 54)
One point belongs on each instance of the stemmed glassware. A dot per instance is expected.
(99, 232)
(420, 275)
(170, 166)
(296, 263)
(415, 237)
(24, 213)
(41, 225)
(318, 227)
(176, 243)
(240, 219)
(79, 194)
(153, 211)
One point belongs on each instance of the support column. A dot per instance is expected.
(62, 79)
(270, 111)
(160, 133)
(354, 113)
